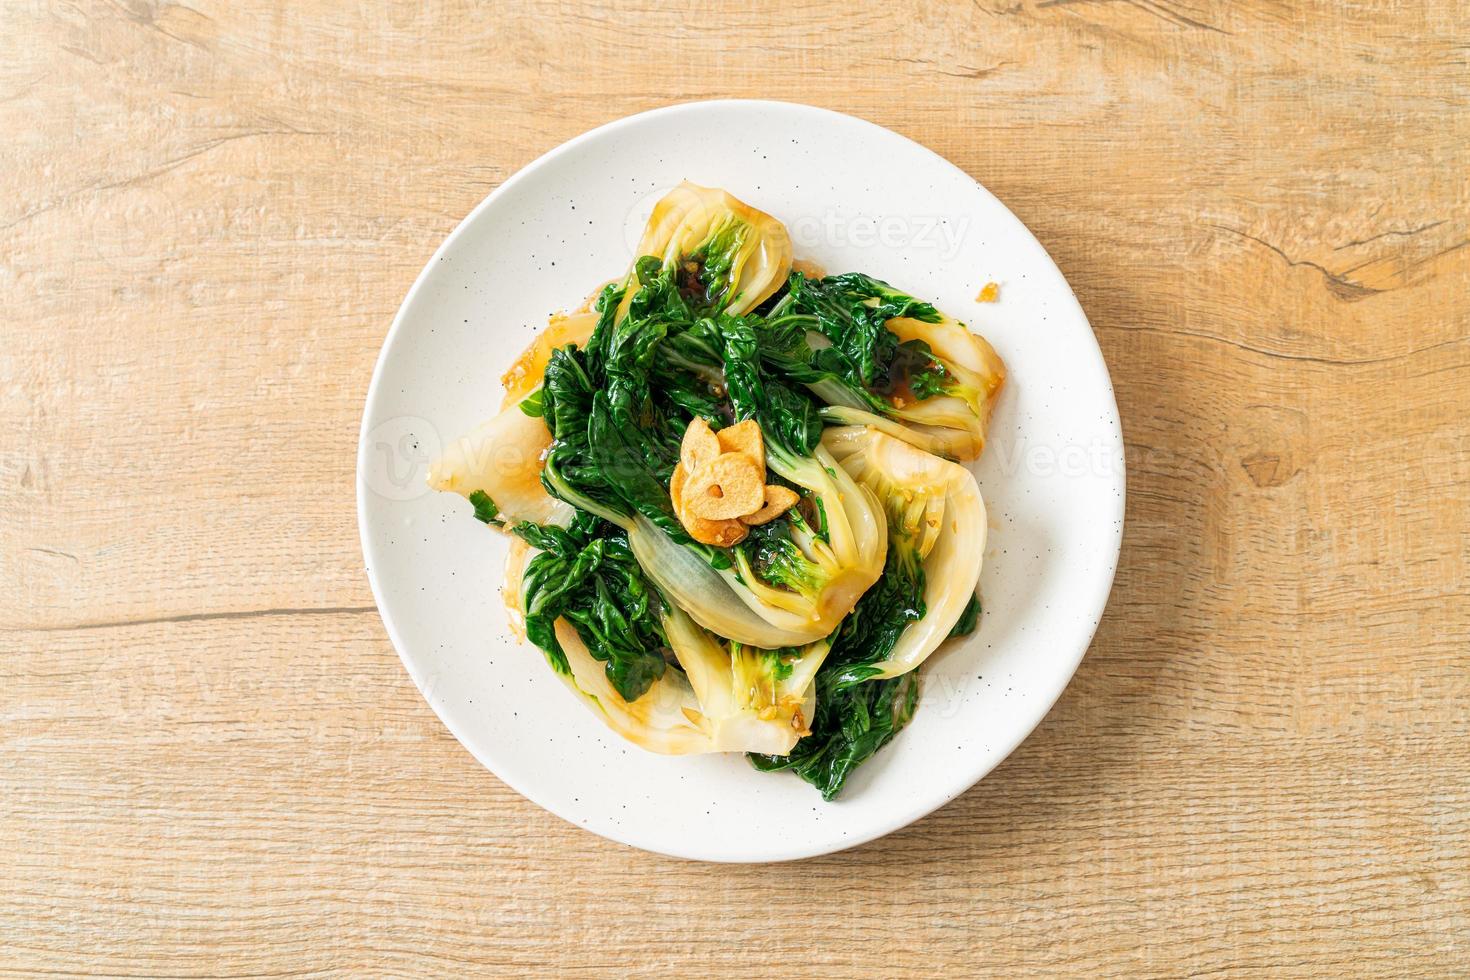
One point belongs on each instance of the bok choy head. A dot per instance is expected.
(878, 356)
(867, 688)
(716, 695)
(501, 459)
(747, 696)
(725, 255)
(501, 462)
(936, 535)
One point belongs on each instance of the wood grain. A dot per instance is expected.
(211, 761)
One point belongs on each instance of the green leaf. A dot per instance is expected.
(857, 715)
(587, 575)
(626, 458)
(865, 367)
(532, 404)
(850, 728)
(969, 619)
(788, 418)
(485, 509)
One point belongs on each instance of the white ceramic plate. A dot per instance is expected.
(855, 197)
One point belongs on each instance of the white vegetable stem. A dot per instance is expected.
(934, 507)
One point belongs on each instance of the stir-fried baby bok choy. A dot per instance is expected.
(502, 458)
(803, 572)
(609, 645)
(880, 357)
(733, 533)
(936, 532)
(724, 254)
(618, 410)
(867, 689)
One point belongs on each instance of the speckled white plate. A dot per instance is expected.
(855, 197)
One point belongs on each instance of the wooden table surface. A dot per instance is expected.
(211, 760)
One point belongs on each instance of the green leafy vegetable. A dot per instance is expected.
(798, 645)
(857, 715)
(485, 509)
(531, 404)
(851, 310)
(597, 586)
(614, 447)
(969, 619)
(788, 420)
(876, 355)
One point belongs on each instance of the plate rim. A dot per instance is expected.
(903, 815)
